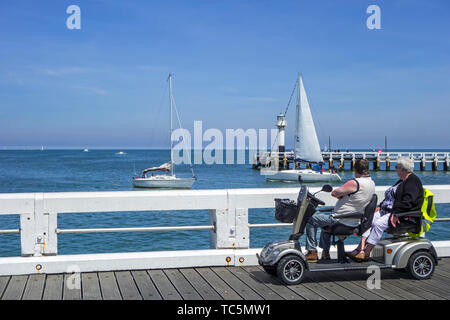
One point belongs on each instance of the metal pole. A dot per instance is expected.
(142, 229)
(171, 125)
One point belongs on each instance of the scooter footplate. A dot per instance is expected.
(334, 265)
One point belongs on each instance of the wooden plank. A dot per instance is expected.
(127, 286)
(145, 285)
(273, 283)
(90, 287)
(53, 287)
(428, 286)
(225, 291)
(321, 289)
(263, 290)
(324, 279)
(417, 290)
(3, 284)
(74, 291)
(360, 279)
(387, 285)
(108, 286)
(34, 288)
(164, 286)
(305, 292)
(444, 263)
(443, 273)
(200, 284)
(365, 293)
(15, 288)
(238, 286)
(308, 289)
(438, 282)
(183, 286)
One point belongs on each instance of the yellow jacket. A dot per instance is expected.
(428, 213)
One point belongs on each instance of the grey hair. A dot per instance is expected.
(406, 164)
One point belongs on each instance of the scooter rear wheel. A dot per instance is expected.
(421, 265)
(291, 269)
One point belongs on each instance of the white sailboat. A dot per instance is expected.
(307, 148)
(164, 180)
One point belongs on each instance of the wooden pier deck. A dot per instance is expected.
(225, 283)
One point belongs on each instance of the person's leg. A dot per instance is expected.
(325, 237)
(364, 236)
(316, 221)
(311, 231)
(375, 235)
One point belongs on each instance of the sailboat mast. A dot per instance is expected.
(171, 124)
(297, 117)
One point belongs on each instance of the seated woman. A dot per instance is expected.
(405, 195)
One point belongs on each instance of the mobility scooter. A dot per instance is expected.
(286, 260)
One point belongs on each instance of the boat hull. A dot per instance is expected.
(307, 175)
(177, 183)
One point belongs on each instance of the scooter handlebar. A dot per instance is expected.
(312, 197)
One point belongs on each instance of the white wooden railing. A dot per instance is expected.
(229, 224)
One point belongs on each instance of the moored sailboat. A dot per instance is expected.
(148, 178)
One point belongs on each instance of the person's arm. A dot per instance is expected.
(347, 188)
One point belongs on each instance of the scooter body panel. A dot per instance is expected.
(397, 251)
(274, 251)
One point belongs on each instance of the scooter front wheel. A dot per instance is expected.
(291, 269)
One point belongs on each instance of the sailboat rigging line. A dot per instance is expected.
(184, 142)
(290, 98)
(286, 110)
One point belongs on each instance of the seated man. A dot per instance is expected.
(353, 196)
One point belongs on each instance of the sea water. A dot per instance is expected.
(105, 170)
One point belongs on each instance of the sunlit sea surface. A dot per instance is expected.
(104, 170)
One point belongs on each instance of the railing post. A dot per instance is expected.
(27, 238)
(422, 162)
(242, 238)
(38, 230)
(223, 236)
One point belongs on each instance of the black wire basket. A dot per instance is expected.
(285, 210)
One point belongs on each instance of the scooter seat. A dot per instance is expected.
(409, 222)
(340, 229)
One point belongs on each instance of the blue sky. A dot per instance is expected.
(235, 63)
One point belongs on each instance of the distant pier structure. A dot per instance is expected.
(346, 160)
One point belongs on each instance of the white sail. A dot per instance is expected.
(307, 146)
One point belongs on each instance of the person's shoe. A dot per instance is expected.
(361, 257)
(351, 255)
(311, 256)
(325, 255)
